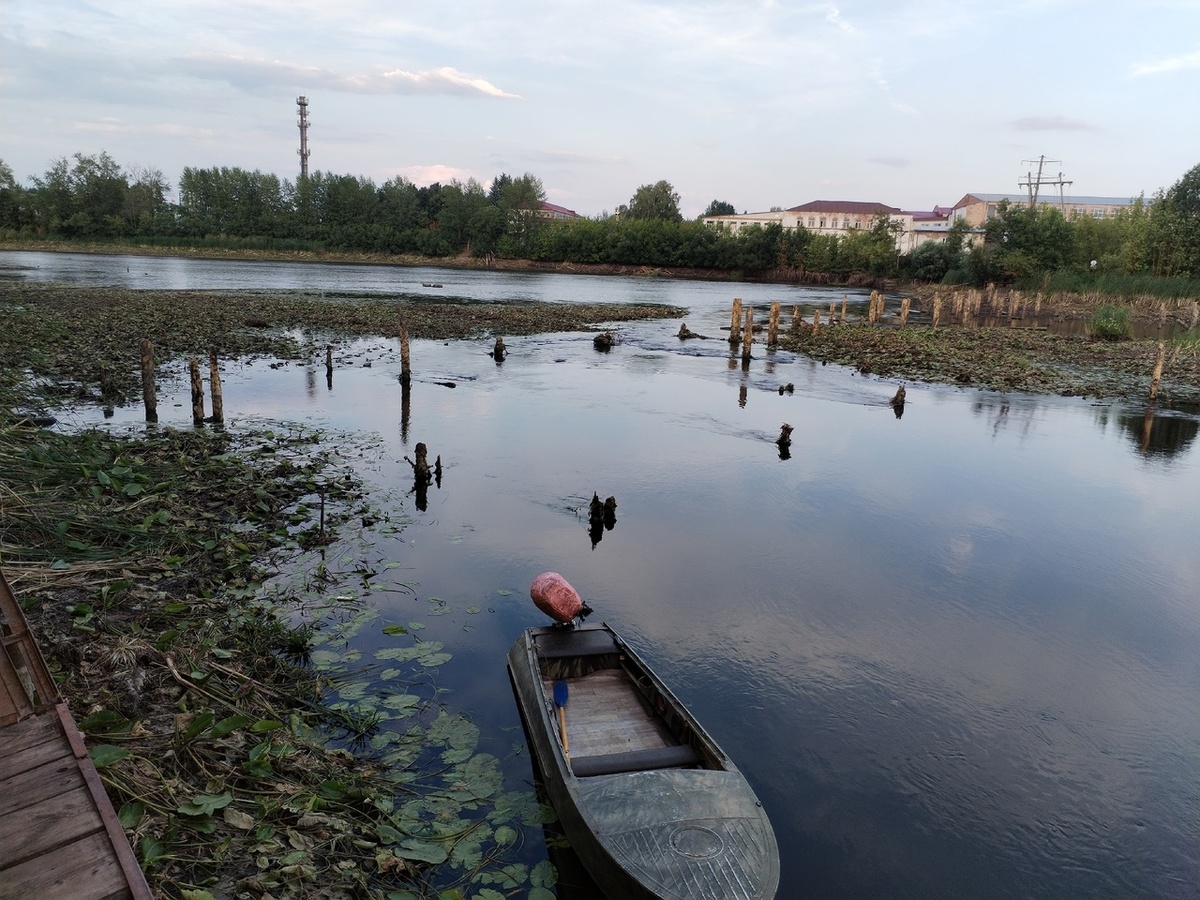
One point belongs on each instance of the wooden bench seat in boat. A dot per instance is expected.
(674, 757)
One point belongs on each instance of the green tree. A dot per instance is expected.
(654, 201)
(520, 199)
(719, 208)
(1023, 242)
(1176, 227)
(13, 200)
(145, 200)
(231, 202)
(469, 221)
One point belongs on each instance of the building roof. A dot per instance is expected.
(937, 214)
(1048, 197)
(844, 206)
(558, 210)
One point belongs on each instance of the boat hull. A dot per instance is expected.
(689, 826)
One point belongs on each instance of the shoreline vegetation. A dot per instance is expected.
(179, 584)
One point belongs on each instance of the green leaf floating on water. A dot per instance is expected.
(544, 875)
(422, 851)
(402, 702)
(427, 653)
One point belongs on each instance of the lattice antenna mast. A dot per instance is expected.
(302, 106)
(1033, 184)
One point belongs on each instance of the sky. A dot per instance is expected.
(759, 103)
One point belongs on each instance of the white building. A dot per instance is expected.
(842, 217)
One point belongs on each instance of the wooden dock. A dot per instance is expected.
(59, 835)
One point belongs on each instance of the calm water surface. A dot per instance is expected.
(956, 653)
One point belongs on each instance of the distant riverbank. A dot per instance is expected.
(461, 261)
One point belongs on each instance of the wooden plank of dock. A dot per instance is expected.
(59, 836)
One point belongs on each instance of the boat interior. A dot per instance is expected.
(618, 717)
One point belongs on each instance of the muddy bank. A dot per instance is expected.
(83, 342)
(1008, 359)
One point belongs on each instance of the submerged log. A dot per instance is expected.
(405, 367)
(686, 333)
(214, 383)
(603, 341)
(420, 465)
(197, 392)
(149, 397)
(1156, 377)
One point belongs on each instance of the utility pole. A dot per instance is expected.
(1033, 184)
(302, 105)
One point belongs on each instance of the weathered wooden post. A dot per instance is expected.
(329, 361)
(405, 369)
(773, 325)
(816, 320)
(795, 315)
(405, 410)
(748, 334)
(937, 309)
(148, 395)
(736, 321)
(842, 320)
(832, 310)
(1156, 378)
(904, 305)
(499, 351)
(197, 392)
(214, 380)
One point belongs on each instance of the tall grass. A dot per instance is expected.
(1116, 285)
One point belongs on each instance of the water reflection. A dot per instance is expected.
(1156, 434)
(955, 658)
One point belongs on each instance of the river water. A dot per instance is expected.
(957, 653)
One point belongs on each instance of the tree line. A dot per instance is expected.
(94, 198)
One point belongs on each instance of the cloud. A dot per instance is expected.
(1172, 64)
(253, 74)
(423, 176)
(834, 17)
(1052, 123)
(165, 129)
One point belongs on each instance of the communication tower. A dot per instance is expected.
(302, 106)
(1034, 182)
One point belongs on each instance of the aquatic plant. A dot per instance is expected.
(1111, 322)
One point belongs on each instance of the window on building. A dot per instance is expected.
(822, 221)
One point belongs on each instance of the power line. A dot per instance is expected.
(1033, 184)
